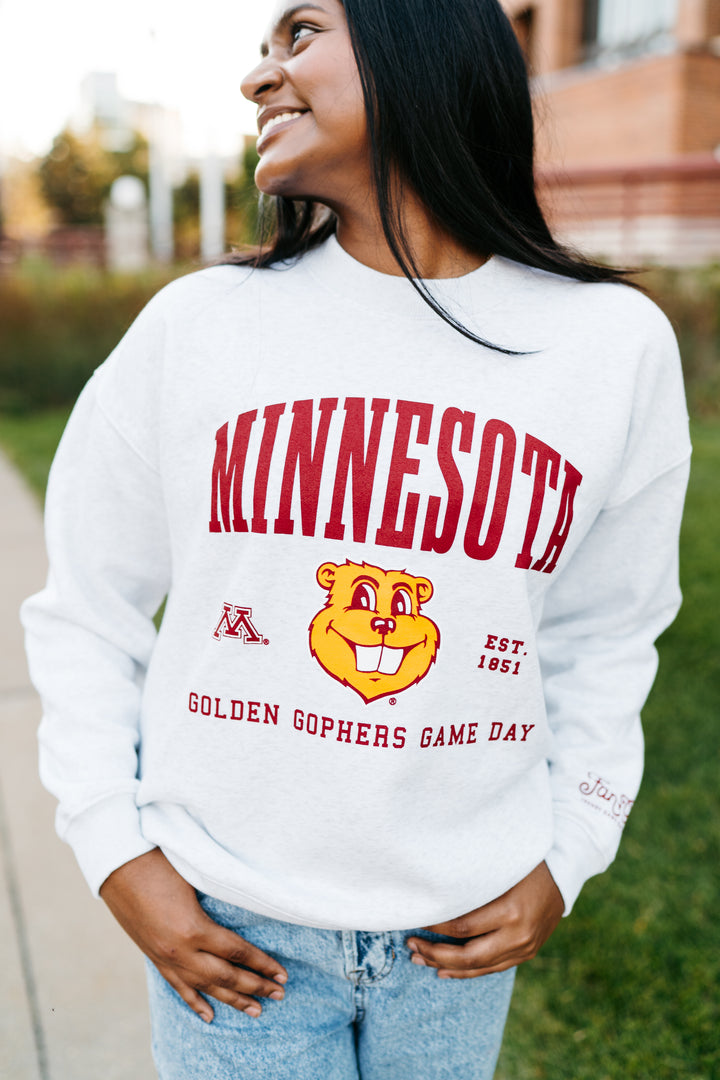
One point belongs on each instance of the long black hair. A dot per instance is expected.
(449, 110)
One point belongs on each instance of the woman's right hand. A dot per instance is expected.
(161, 913)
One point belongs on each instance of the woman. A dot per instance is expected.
(411, 479)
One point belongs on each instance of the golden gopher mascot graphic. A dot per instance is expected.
(371, 634)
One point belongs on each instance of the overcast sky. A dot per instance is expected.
(191, 56)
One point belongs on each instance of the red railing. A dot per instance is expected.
(688, 167)
(687, 186)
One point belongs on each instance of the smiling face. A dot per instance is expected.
(311, 116)
(371, 635)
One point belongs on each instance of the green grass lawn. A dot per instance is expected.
(30, 441)
(628, 987)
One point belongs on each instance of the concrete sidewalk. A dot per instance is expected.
(72, 987)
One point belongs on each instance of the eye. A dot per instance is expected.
(364, 598)
(401, 603)
(299, 31)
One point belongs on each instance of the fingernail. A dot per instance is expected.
(443, 975)
(277, 995)
(412, 946)
(253, 1010)
(416, 958)
(207, 1017)
(281, 977)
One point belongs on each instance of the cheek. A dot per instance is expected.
(338, 93)
(352, 106)
(347, 126)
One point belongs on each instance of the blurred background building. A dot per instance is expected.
(628, 109)
(78, 203)
(627, 99)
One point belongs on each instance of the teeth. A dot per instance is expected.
(378, 658)
(279, 119)
(390, 660)
(367, 657)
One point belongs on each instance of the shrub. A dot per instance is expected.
(691, 300)
(57, 326)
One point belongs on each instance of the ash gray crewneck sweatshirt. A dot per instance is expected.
(413, 587)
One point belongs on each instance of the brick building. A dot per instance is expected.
(628, 111)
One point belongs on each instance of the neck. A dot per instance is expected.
(436, 254)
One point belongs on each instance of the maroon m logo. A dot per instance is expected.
(235, 622)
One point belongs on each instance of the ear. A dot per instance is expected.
(326, 575)
(424, 589)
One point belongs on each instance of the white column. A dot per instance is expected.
(126, 225)
(212, 207)
(161, 204)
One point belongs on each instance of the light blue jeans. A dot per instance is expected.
(355, 1008)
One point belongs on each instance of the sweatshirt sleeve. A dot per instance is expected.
(600, 620)
(90, 632)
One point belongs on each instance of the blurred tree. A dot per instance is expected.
(186, 198)
(186, 216)
(27, 215)
(133, 159)
(241, 207)
(241, 199)
(77, 173)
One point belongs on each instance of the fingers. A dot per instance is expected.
(198, 1003)
(516, 941)
(206, 959)
(480, 954)
(225, 981)
(480, 921)
(237, 972)
(233, 948)
(477, 957)
(199, 974)
(478, 948)
(161, 913)
(502, 934)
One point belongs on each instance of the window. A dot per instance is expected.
(617, 27)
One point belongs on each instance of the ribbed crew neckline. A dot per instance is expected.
(360, 285)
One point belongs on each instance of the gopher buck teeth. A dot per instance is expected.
(380, 658)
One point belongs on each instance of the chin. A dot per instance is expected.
(270, 182)
(292, 184)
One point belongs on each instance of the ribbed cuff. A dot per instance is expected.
(106, 836)
(573, 859)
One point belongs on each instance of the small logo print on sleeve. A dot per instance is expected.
(598, 793)
(236, 622)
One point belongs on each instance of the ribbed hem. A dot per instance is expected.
(106, 836)
(573, 859)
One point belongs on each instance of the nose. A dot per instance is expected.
(266, 76)
(383, 626)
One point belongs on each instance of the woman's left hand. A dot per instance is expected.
(500, 935)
